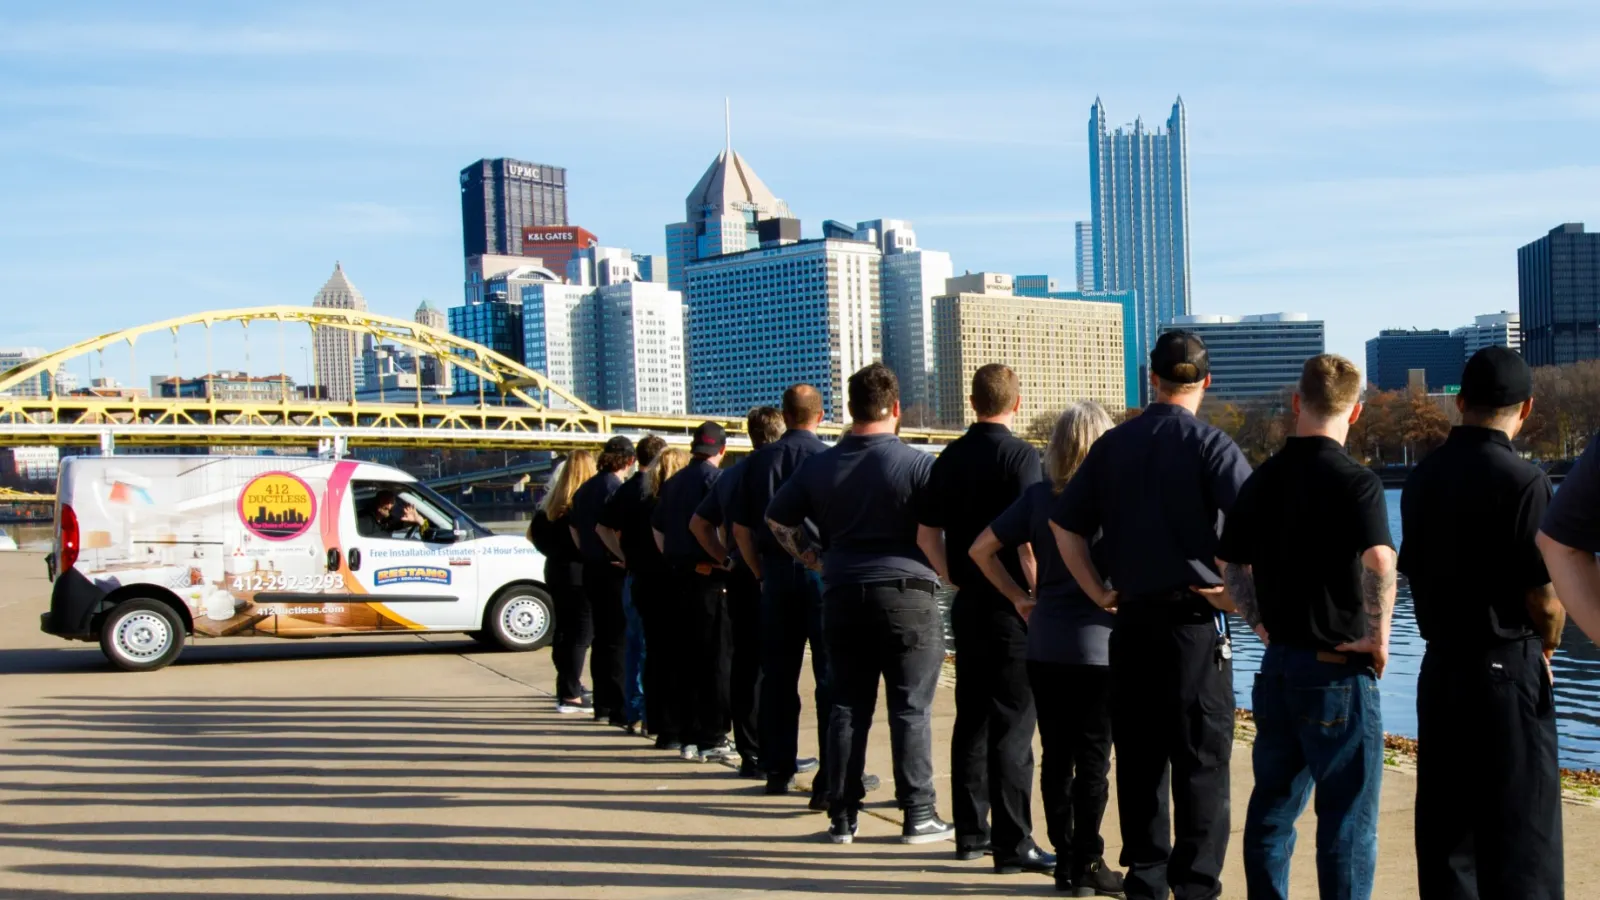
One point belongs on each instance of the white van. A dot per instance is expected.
(151, 549)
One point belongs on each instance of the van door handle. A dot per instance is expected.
(355, 559)
(333, 559)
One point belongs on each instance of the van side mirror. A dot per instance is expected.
(333, 559)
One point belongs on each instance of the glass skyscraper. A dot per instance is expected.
(1139, 195)
(1255, 356)
(1558, 286)
(501, 196)
(1396, 351)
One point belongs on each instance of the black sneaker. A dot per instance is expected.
(1031, 860)
(971, 852)
(668, 743)
(1093, 880)
(570, 707)
(749, 769)
(802, 766)
(842, 830)
(777, 785)
(923, 826)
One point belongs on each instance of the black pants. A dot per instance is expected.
(791, 615)
(706, 656)
(744, 691)
(1172, 719)
(890, 631)
(570, 644)
(1074, 704)
(1488, 815)
(602, 584)
(991, 746)
(651, 600)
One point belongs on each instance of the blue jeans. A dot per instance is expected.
(1316, 722)
(632, 658)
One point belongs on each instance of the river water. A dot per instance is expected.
(1577, 663)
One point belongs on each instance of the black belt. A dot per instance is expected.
(898, 584)
(1180, 606)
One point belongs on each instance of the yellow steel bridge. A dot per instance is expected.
(517, 408)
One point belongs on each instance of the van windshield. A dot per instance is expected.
(463, 521)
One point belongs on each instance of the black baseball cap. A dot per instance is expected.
(1496, 377)
(1180, 357)
(619, 444)
(709, 439)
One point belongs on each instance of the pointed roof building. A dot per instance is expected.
(729, 187)
(339, 293)
(337, 351)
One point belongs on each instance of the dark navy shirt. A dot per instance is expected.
(864, 494)
(724, 496)
(1157, 487)
(1574, 514)
(587, 502)
(1066, 627)
(681, 495)
(628, 513)
(974, 480)
(768, 469)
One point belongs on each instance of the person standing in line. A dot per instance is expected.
(1488, 812)
(665, 670)
(1309, 563)
(700, 586)
(974, 480)
(711, 526)
(880, 618)
(1069, 661)
(791, 599)
(1156, 489)
(603, 577)
(643, 564)
(1569, 538)
(551, 533)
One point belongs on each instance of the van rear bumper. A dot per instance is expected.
(73, 601)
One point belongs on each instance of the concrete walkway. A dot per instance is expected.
(428, 768)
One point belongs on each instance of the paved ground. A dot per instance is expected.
(427, 768)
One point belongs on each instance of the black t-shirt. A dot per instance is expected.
(1302, 522)
(587, 502)
(864, 494)
(681, 495)
(767, 470)
(1066, 626)
(563, 566)
(718, 505)
(628, 513)
(1470, 514)
(1157, 487)
(973, 481)
(1574, 514)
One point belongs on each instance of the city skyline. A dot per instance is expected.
(1372, 181)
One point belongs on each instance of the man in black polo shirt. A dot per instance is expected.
(603, 578)
(1309, 563)
(1156, 489)
(624, 527)
(701, 590)
(880, 617)
(1569, 538)
(791, 598)
(974, 480)
(712, 527)
(1488, 813)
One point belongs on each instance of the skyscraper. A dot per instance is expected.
(910, 277)
(1083, 253)
(1558, 288)
(1396, 351)
(338, 352)
(1139, 194)
(433, 371)
(1127, 301)
(499, 197)
(1501, 329)
(720, 215)
(1255, 356)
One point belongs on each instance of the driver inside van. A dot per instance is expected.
(387, 515)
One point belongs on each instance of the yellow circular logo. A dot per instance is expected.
(277, 506)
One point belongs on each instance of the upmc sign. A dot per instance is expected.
(518, 170)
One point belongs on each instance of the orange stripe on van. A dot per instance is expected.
(332, 515)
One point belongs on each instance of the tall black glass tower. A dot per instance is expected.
(501, 196)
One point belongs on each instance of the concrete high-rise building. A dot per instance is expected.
(1558, 289)
(1083, 254)
(493, 314)
(651, 266)
(1128, 301)
(1501, 329)
(1396, 351)
(909, 278)
(640, 348)
(720, 215)
(431, 316)
(500, 197)
(1255, 356)
(1062, 350)
(762, 320)
(1139, 194)
(433, 371)
(558, 332)
(11, 357)
(337, 352)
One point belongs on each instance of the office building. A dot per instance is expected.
(1063, 351)
(1395, 352)
(764, 319)
(500, 197)
(555, 245)
(1128, 301)
(1255, 356)
(225, 385)
(651, 266)
(494, 318)
(596, 266)
(1139, 196)
(36, 386)
(1083, 254)
(1501, 329)
(337, 352)
(557, 336)
(721, 215)
(1558, 288)
(35, 463)
(909, 278)
(639, 348)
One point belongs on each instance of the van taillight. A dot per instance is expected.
(69, 538)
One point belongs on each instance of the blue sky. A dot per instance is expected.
(1375, 164)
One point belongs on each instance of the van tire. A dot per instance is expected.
(142, 635)
(522, 617)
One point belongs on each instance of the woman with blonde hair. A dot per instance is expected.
(563, 574)
(1069, 661)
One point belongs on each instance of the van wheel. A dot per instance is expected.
(141, 635)
(521, 618)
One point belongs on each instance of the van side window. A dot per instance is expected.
(396, 511)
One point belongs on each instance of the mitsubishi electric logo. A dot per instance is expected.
(518, 170)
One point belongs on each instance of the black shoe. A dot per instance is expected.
(749, 769)
(718, 751)
(819, 802)
(782, 784)
(870, 783)
(601, 713)
(1031, 860)
(923, 826)
(842, 829)
(972, 852)
(666, 743)
(1093, 880)
(580, 705)
(802, 766)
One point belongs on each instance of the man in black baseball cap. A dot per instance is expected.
(710, 439)
(1488, 812)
